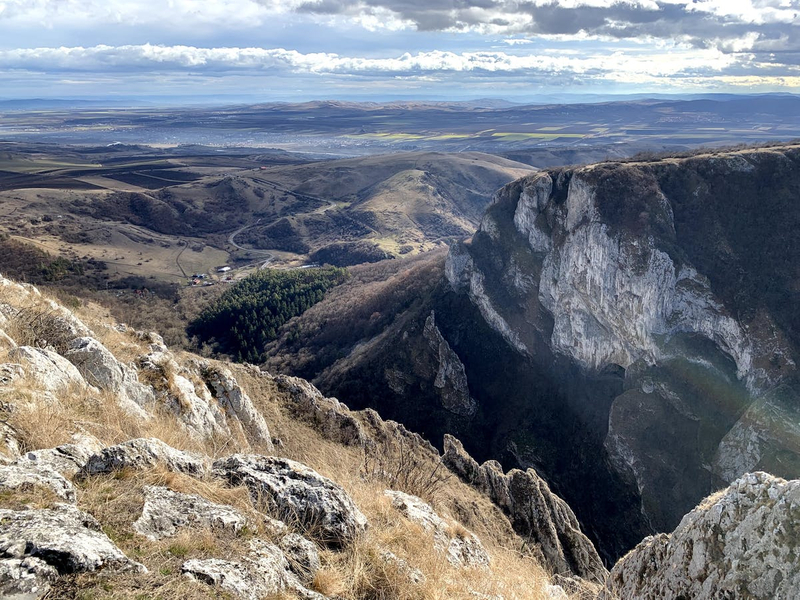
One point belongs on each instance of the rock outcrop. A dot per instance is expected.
(66, 459)
(297, 494)
(166, 511)
(451, 378)
(329, 416)
(64, 537)
(627, 271)
(25, 578)
(302, 556)
(101, 369)
(196, 408)
(742, 542)
(461, 547)
(233, 399)
(264, 572)
(141, 454)
(535, 512)
(25, 476)
(49, 370)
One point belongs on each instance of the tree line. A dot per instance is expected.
(246, 317)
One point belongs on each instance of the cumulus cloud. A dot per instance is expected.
(765, 25)
(658, 42)
(616, 66)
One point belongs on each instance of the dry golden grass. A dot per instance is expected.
(360, 572)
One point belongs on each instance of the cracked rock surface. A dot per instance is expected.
(166, 511)
(67, 539)
(297, 493)
(742, 542)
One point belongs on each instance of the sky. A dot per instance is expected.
(290, 50)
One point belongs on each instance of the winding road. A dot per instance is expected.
(264, 253)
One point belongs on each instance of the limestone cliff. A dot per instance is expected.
(627, 330)
(679, 275)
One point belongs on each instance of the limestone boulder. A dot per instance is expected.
(461, 547)
(48, 369)
(742, 542)
(144, 453)
(263, 572)
(297, 494)
(196, 408)
(66, 459)
(26, 476)
(166, 511)
(64, 537)
(25, 578)
(302, 555)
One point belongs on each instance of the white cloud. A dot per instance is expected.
(186, 58)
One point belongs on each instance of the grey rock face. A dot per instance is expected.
(605, 273)
(535, 513)
(49, 370)
(462, 549)
(166, 511)
(196, 408)
(100, 368)
(66, 459)
(740, 543)
(296, 493)
(64, 537)
(25, 578)
(25, 476)
(230, 576)
(143, 453)
(232, 398)
(451, 378)
(329, 416)
(264, 572)
(302, 556)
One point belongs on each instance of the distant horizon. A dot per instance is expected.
(221, 101)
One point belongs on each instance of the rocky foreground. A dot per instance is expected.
(164, 474)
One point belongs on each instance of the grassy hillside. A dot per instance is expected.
(75, 413)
